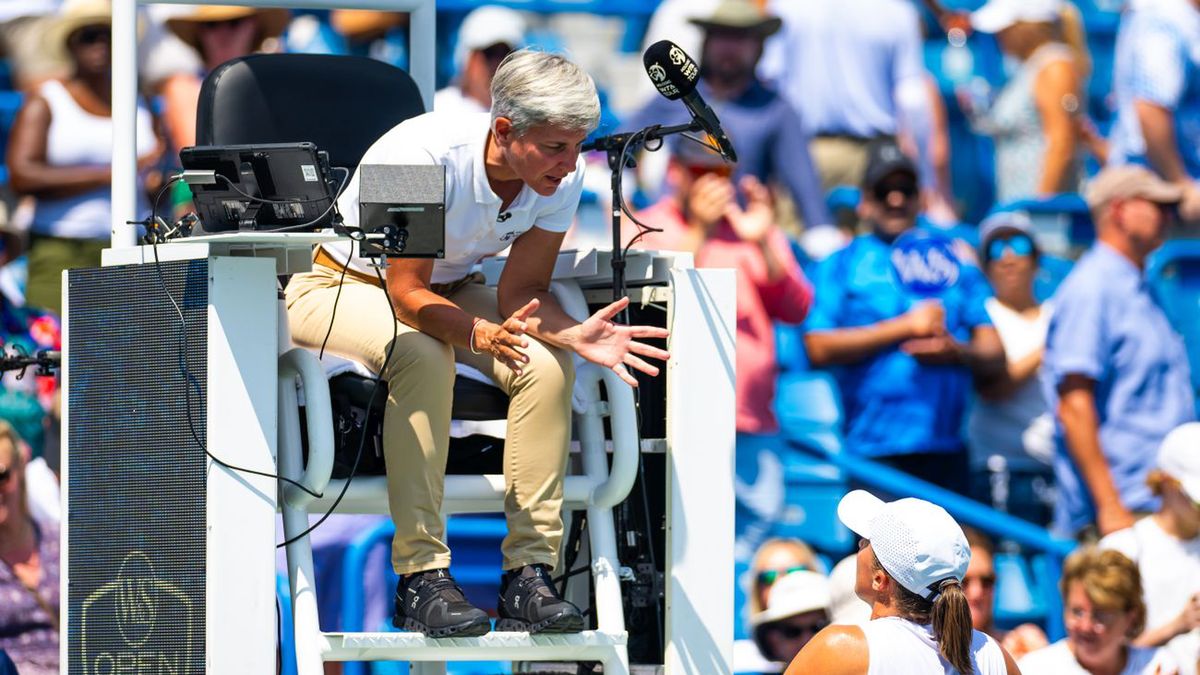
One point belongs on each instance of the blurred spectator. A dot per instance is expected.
(1115, 371)
(775, 559)
(1166, 548)
(486, 36)
(979, 585)
(764, 128)
(60, 151)
(1010, 430)
(797, 609)
(28, 570)
(854, 71)
(906, 364)
(1156, 83)
(845, 607)
(23, 24)
(703, 216)
(1103, 612)
(1033, 118)
(218, 33)
(382, 36)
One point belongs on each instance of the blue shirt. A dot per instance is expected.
(1158, 61)
(893, 404)
(843, 63)
(768, 136)
(1108, 327)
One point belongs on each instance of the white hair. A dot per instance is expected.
(532, 88)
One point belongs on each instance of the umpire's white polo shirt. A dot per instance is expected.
(475, 227)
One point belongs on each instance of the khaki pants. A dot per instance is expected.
(416, 424)
(839, 160)
(48, 257)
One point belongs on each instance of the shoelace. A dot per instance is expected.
(445, 588)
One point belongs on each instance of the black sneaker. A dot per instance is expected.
(529, 602)
(432, 603)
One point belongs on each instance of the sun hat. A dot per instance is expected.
(1179, 457)
(73, 15)
(996, 15)
(486, 26)
(1128, 181)
(271, 21)
(917, 542)
(739, 15)
(795, 593)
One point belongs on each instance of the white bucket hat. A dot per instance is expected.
(917, 542)
(1179, 457)
(795, 593)
(997, 15)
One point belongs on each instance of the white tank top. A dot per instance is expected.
(76, 137)
(897, 646)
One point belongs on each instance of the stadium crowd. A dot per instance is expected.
(1046, 151)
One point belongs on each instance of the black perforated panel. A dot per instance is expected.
(136, 511)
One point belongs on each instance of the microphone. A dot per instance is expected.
(674, 73)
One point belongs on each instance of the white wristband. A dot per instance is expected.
(471, 340)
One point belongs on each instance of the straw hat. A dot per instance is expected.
(271, 21)
(359, 23)
(739, 15)
(73, 15)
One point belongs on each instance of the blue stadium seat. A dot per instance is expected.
(789, 348)
(809, 409)
(1173, 273)
(1051, 272)
(1017, 600)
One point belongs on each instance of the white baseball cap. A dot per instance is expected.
(794, 593)
(486, 26)
(917, 542)
(996, 15)
(1179, 457)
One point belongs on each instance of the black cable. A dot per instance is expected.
(190, 381)
(302, 226)
(370, 402)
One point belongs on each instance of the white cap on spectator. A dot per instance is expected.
(1179, 457)
(917, 542)
(997, 15)
(845, 607)
(486, 26)
(794, 593)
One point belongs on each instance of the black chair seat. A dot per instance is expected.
(474, 401)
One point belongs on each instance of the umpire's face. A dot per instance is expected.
(542, 156)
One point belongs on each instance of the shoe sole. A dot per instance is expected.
(563, 622)
(472, 628)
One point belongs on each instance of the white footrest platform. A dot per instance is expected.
(589, 645)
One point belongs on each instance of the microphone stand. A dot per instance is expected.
(620, 148)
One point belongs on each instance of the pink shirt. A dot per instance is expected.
(760, 302)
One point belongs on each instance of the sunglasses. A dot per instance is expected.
(908, 188)
(497, 52)
(768, 577)
(1020, 245)
(792, 631)
(987, 581)
(90, 35)
(5, 474)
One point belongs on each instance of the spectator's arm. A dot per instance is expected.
(786, 294)
(849, 345)
(1016, 374)
(1081, 426)
(30, 174)
(1186, 621)
(984, 355)
(794, 164)
(1158, 128)
(181, 95)
(1055, 88)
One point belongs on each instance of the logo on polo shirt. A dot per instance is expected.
(509, 236)
(924, 263)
